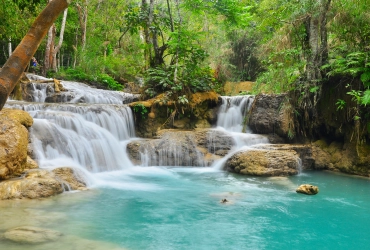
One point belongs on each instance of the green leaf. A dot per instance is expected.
(365, 99)
(365, 78)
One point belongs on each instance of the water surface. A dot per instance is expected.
(179, 208)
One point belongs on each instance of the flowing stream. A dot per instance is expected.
(172, 207)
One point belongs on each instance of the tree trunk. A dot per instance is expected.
(17, 62)
(10, 50)
(316, 52)
(49, 50)
(61, 36)
(147, 49)
(82, 17)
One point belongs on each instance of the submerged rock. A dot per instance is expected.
(264, 162)
(31, 235)
(13, 142)
(307, 189)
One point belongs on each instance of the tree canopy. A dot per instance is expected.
(180, 47)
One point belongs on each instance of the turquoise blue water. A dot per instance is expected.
(179, 208)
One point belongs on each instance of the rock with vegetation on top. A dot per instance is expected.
(264, 162)
(307, 189)
(31, 235)
(13, 142)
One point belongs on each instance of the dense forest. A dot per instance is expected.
(182, 47)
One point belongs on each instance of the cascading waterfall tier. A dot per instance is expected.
(76, 93)
(231, 120)
(90, 136)
(192, 149)
(232, 112)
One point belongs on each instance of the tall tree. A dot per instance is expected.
(18, 61)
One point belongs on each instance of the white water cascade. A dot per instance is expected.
(230, 120)
(76, 93)
(89, 136)
(232, 112)
(94, 136)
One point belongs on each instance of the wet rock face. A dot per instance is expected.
(270, 114)
(264, 162)
(36, 183)
(13, 142)
(41, 183)
(181, 148)
(344, 157)
(70, 177)
(307, 189)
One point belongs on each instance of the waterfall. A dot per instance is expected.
(76, 92)
(86, 135)
(231, 118)
(233, 111)
(172, 149)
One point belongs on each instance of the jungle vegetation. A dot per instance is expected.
(182, 47)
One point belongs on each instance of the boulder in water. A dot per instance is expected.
(263, 162)
(31, 235)
(307, 189)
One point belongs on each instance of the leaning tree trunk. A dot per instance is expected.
(17, 62)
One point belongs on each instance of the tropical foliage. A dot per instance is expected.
(180, 47)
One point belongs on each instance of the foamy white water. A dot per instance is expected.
(230, 120)
(77, 93)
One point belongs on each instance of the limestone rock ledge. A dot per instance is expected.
(264, 162)
(41, 183)
(13, 142)
(200, 147)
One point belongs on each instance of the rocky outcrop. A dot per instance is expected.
(31, 235)
(307, 189)
(13, 142)
(161, 113)
(181, 148)
(264, 162)
(272, 114)
(36, 183)
(70, 177)
(337, 149)
(344, 157)
(304, 151)
(41, 183)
